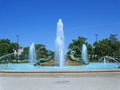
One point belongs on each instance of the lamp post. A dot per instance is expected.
(113, 38)
(96, 37)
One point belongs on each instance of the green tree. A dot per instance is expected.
(77, 46)
(7, 47)
(25, 54)
(102, 47)
(109, 46)
(40, 51)
(12, 47)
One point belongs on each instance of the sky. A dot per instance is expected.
(36, 20)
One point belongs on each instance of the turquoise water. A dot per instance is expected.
(85, 67)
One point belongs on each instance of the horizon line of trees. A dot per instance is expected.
(106, 47)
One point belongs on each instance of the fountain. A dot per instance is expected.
(59, 57)
(84, 54)
(59, 43)
(32, 54)
(107, 59)
(6, 55)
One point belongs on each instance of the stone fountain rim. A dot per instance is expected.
(60, 71)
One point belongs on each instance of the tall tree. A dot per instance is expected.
(6, 46)
(102, 47)
(109, 46)
(77, 45)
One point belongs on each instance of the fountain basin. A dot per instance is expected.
(55, 71)
(91, 66)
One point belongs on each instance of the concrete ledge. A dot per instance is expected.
(60, 73)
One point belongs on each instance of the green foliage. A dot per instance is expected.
(102, 47)
(109, 46)
(25, 53)
(6, 46)
(12, 46)
(76, 45)
(113, 38)
(41, 51)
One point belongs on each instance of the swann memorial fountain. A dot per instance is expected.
(59, 58)
(87, 76)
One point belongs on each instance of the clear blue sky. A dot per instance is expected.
(36, 20)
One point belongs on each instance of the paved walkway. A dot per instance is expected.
(99, 81)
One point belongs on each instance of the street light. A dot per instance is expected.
(96, 37)
(113, 38)
(17, 36)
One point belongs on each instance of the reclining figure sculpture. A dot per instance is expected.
(41, 60)
(73, 58)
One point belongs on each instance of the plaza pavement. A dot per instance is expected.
(60, 81)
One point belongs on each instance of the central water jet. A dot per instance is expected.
(59, 43)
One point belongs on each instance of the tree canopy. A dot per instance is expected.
(76, 45)
(109, 46)
(7, 47)
(106, 47)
